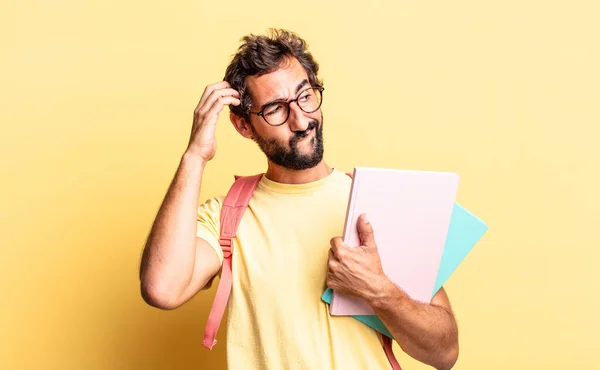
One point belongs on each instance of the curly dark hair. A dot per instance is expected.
(262, 54)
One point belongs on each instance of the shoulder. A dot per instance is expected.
(238, 192)
(211, 205)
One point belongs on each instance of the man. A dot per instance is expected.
(287, 248)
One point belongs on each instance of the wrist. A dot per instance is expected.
(194, 159)
(383, 292)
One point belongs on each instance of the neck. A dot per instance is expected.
(286, 176)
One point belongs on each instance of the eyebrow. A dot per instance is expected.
(300, 86)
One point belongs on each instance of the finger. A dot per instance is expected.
(209, 89)
(365, 232)
(331, 283)
(217, 107)
(332, 261)
(214, 96)
(331, 255)
(337, 246)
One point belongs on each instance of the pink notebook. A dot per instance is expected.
(410, 213)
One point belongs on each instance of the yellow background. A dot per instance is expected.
(96, 107)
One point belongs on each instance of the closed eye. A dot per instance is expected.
(275, 108)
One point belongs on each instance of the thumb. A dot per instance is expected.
(365, 232)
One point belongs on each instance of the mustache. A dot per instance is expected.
(301, 134)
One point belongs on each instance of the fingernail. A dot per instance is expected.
(365, 220)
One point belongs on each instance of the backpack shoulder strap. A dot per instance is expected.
(232, 211)
(389, 352)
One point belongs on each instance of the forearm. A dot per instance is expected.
(426, 332)
(169, 255)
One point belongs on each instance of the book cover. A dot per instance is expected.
(410, 212)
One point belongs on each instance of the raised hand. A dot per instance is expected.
(215, 97)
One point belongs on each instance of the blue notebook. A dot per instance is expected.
(464, 232)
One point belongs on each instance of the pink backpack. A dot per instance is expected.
(234, 206)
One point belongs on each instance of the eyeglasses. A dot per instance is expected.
(277, 113)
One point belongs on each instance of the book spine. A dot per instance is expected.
(349, 212)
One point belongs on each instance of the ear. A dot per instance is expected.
(241, 125)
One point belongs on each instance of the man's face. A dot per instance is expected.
(298, 143)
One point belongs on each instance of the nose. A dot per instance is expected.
(298, 120)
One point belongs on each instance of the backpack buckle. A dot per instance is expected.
(226, 246)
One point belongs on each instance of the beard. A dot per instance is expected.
(289, 156)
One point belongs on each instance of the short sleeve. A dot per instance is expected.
(208, 227)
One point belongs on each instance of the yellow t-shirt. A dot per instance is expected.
(276, 318)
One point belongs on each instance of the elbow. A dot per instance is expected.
(158, 295)
(449, 359)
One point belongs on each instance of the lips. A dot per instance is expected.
(306, 134)
(301, 136)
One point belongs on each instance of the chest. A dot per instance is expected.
(284, 240)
